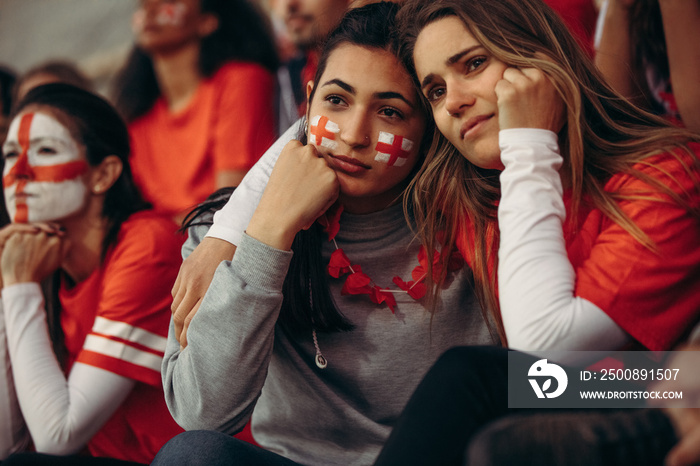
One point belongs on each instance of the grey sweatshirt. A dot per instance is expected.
(238, 363)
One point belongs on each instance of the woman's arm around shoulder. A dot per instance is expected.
(214, 382)
(230, 222)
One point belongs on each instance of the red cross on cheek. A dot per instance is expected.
(323, 132)
(393, 149)
(170, 14)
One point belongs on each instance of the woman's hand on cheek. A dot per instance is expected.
(31, 255)
(300, 189)
(528, 99)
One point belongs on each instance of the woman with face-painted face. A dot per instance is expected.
(197, 92)
(81, 357)
(324, 301)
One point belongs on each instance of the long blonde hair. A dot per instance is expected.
(604, 134)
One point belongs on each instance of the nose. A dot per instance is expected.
(21, 170)
(355, 131)
(457, 99)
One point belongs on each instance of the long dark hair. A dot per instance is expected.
(244, 34)
(8, 78)
(308, 303)
(103, 133)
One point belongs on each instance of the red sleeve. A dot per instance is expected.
(245, 125)
(131, 326)
(653, 294)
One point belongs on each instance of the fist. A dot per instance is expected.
(30, 256)
(301, 188)
(527, 98)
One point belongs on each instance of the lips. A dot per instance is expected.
(472, 123)
(18, 197)
(347, 164)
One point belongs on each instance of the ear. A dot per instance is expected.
(105, 174)
(309, 88)
(208, 23)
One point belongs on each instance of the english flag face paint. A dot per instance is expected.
(166, 14)
(171, 14)
(392, 149)
(43, 167)
(323, 132)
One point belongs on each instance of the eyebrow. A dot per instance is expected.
(449, 62)
(392, 95)
(342, 84)
(386, 95)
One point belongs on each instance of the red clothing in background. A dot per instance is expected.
(227, 125)
(580, 16)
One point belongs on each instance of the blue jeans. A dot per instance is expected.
(210, 448)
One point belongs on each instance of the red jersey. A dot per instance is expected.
(117, 320)
(654, 295)
(226, 126)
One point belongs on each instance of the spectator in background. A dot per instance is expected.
(54, 71)
(197, 93)
(648, 51)
(580, 18)
(80, 360)
(307, 23)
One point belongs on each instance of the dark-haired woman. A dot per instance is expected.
(318, 336)
(80, 361)
(198, 94)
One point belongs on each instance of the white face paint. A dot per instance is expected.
(392, 149)
(323, 132)
(166, 14)
(43, 167)
(171, 14)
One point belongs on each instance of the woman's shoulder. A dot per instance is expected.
(677, 168)
(241, 70)
(151, 232)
